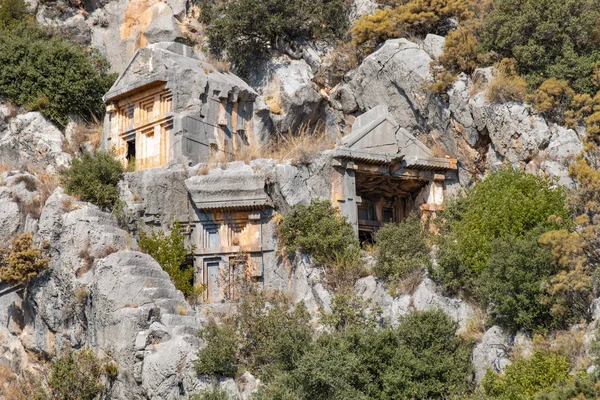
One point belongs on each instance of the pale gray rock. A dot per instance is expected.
(287, 88)
(79, 232)
(492, 352)
(247, 385)
(359, 8)
(307, 286)
(369, 289)
(10, 216)
(426, 298)
(434, 45)
(393, 76)
(33, 140)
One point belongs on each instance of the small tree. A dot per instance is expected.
(23, 261)
(94, 177)
(401, 249)
(248, 31)
(76, 375)
(318, 230)
(170, 252)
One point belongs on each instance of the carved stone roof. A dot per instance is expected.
(236, 188)
(378, 139)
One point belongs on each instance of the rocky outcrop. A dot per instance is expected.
(424, 298)
(491, 352)
(30, 139)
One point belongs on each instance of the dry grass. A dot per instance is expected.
(83, 133)
(15, 387)
(299, 148)
(181, 310)
(475, 326)
(216, 64)
(302, 147)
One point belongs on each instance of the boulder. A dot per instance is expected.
(427, 298)
(393, 76)
(492, 352)
(392, 308)
(30, 139)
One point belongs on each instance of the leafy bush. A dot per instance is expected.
(94, 177)
(421, 358)
(51, 75)
(401, 249)
(12, 13)
(319, 230)
(218, 357)
(547, 38)
(76, 375)
(508, 203)
(249, 30)
(460, 51)
(170, 252)
(23, 261)
(525, 378)
(513, 284)
(267, 336)
(214, 394)
(410, 18)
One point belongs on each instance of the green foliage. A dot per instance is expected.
(170, 252)
(94, 177)
(12, 13)
(266, 336)
(421, 358)
(547, 38)
(76, 375)
(218, 357)
(513, 285)
(213, 394)
(51, 75)
(319, 230)
(525, 378)
(582, 386)
(22, 262)
(401, 249)
(247, 31)
(508, 203)
(348, 311)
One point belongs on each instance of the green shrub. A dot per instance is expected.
(247, 31)
(319, 230)
(401, 249)
(525, 378)
(76, 375)
(422, 358)
(513, 285)
(266, 336)
(547, 38)
(508, 203)
(170, 252)
(51, 75)
(581, 386)
(12, 13)
(22, 262)
(213, 394)
(94, 177)
(218, 357)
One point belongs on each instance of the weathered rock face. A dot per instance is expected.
(30, 139)
(424, 298)
(393, 76)
(492, 352)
